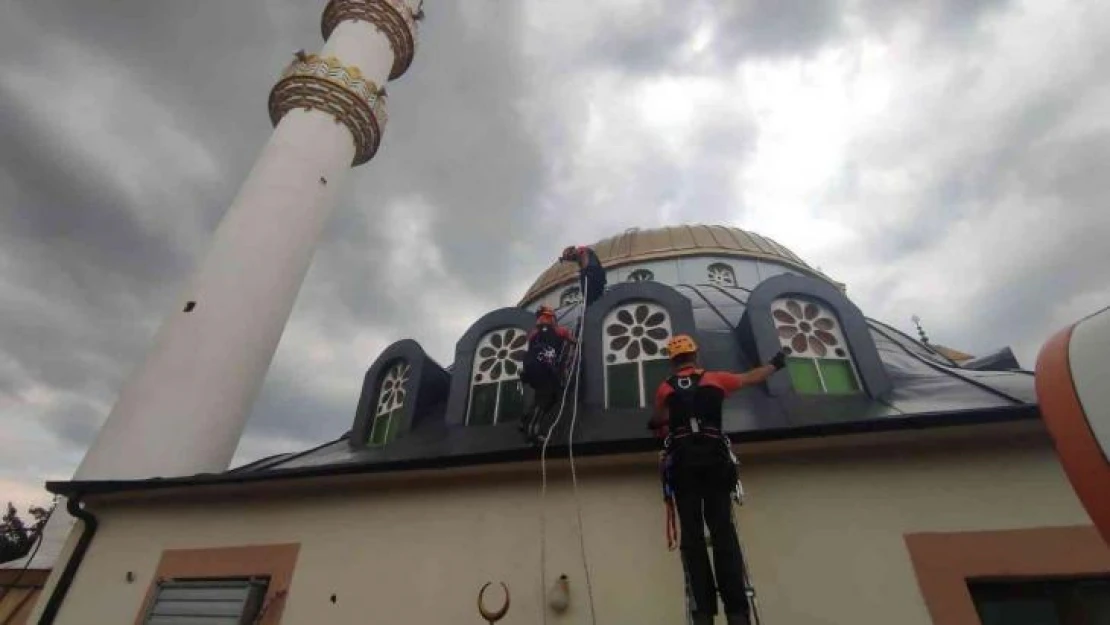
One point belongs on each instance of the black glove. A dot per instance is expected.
(778, 361)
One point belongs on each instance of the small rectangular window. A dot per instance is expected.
(385, 427)
(1042, 602)
(633, 384)
(483, 404)
(655, 371)
(511, 404)
(624, 385)
(833, 376)
(207, 601)
(838, 376)
(803, 374)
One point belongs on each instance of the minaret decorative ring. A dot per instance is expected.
(324, 84)
(392, 17)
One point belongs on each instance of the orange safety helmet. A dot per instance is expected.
(681, 344)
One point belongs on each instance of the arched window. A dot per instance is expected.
(635, 336)
(391, 400)
(641, 275)
(496, 393)
(570, 296)
(818, 357)
(721, 274)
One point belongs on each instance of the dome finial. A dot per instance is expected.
(920, 331)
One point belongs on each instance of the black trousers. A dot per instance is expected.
(545, 385)
(591, 280)
(703, 477)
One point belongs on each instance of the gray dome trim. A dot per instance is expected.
(757, 335)
(464, 354)
(426, 385)
(593, 365)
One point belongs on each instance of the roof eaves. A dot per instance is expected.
(914, 422)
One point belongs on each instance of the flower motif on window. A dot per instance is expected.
(641, 275)
(392, 393)
(571, 296)
(637, 331)
(500, 355)
(807, 329)
(721, 274)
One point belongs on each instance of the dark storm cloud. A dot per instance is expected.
(1011, 204)
(944, 22)
(1062, 256)
(128, 126)
(655, 38)
(54, 197)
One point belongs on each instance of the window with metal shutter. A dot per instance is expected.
(207, 602)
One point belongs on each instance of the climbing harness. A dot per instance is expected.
(576, 368)
(532, 424)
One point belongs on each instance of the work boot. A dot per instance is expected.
(738, 618)
(701, 619)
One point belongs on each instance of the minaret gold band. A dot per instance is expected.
(392, 17)
(325, 84)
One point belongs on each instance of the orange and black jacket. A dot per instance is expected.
(702, 400)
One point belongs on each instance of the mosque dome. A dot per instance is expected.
(730, 257)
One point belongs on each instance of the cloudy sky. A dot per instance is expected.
(943, 158)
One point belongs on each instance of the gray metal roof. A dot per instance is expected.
(925, 383)
(928, 389)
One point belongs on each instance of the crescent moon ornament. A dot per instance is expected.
(493, 617)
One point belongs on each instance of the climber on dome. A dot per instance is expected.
(543, 369)
(591, 275)
(700, 473)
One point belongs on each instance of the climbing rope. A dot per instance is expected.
(575, 361)
(574, 477)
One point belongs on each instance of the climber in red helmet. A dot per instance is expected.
(700, 475)
(543, 370)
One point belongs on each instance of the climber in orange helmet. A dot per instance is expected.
(700, 474)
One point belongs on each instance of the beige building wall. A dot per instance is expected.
(824, 532)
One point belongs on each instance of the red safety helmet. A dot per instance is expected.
(545, 314)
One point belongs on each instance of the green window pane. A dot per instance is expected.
(378, 431)
(839, 377)
(512, 401)
(385, 427)
(624, 385)
(394, 424)
(655, 371)
(803, 374)
(483, 402)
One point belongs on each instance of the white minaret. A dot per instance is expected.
(183, 409)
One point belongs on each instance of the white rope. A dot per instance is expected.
(574, 481)
(575, 360)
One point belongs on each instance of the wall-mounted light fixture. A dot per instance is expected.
(558, 597)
